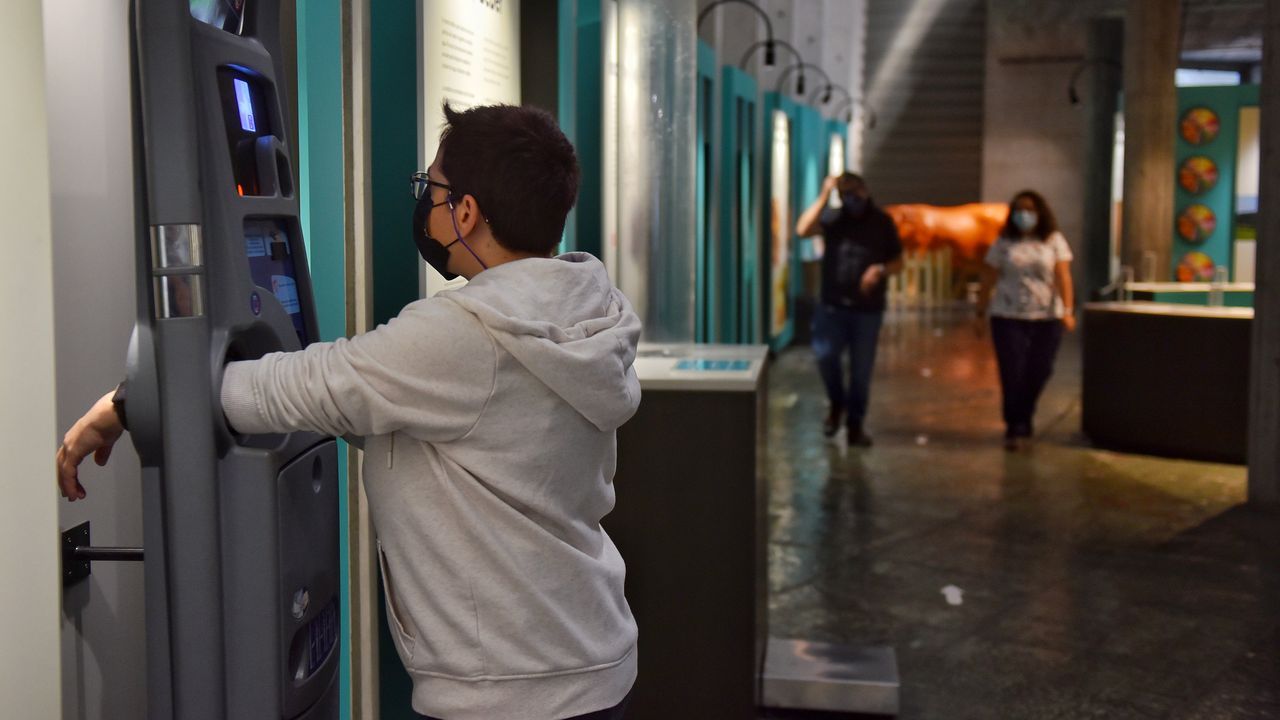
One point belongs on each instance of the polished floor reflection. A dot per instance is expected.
(1058, 582)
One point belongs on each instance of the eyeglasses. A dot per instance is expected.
(420, 184)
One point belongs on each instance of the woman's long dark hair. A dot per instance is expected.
(1046, 225)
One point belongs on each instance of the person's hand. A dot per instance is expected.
(93, 434)
(829, 184)
(1069, 322)
(871, 277)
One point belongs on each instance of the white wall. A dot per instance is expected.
(91, 174)
(1033, 137)
(29, 589)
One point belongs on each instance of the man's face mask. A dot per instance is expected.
(434, 252)
(853, 203)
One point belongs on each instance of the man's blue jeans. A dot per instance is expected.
(834, 329)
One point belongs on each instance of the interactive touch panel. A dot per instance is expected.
(271, 263)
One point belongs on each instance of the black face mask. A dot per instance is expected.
(853, 204)
(436, 254)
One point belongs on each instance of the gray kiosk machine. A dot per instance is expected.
(240, 532)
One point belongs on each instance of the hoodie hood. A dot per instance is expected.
(582, 341)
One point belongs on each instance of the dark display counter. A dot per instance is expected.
(1167, 379)
(690, 524)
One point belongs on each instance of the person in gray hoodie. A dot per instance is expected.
(488, 417)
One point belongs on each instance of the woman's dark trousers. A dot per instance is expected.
(1025, 350)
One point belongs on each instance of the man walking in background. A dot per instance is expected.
(862, 251)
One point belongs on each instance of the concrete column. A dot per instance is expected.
(1150, 117)
(649, 130)
(1104, 55)
(1264, 408)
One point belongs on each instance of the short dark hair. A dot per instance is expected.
(852, 182)
(522, 171)
(1046, 225)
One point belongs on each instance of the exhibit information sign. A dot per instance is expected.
(780, 223)
(469, 54)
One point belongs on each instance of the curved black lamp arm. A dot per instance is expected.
(782, 79)
(768, 26)
(848, 105)
(827, 93)
(742, 64)
(1072, 96)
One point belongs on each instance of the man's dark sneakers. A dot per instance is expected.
(832, 423)
(858, 438)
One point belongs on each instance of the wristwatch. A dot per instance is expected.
(117, 403)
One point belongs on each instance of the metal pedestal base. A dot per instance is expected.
(804, 675)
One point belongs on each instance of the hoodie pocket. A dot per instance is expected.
(403, 638)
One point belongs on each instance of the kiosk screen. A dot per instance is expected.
(271, 263)
(244, 114)
(223, 14)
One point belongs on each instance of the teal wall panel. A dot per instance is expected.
(1220, 199)
(393, 97)
(734, 280)
(321, 193)
(580, 66)
(704, 176)
(809, 164)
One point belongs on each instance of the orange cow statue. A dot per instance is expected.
(967, 229)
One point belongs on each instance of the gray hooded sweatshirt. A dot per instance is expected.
(489, 417)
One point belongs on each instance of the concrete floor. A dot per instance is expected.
(1095, 584)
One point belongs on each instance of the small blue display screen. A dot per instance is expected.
(244, 101)
(271, 265)
(714, 365)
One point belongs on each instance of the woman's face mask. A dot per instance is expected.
(1025, 220)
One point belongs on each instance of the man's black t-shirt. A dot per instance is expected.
(854, 244)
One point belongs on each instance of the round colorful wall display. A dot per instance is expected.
(1196, 223)
(1198, 174)
(1195, 267)
(1199, 125)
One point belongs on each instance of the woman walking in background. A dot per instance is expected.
(1029, 267)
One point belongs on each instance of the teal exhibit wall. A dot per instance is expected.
(580, 67)
(1205, 178)
(734, 285)
(393, 157)
(322, 210)
(704, 176)
(809, 166)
